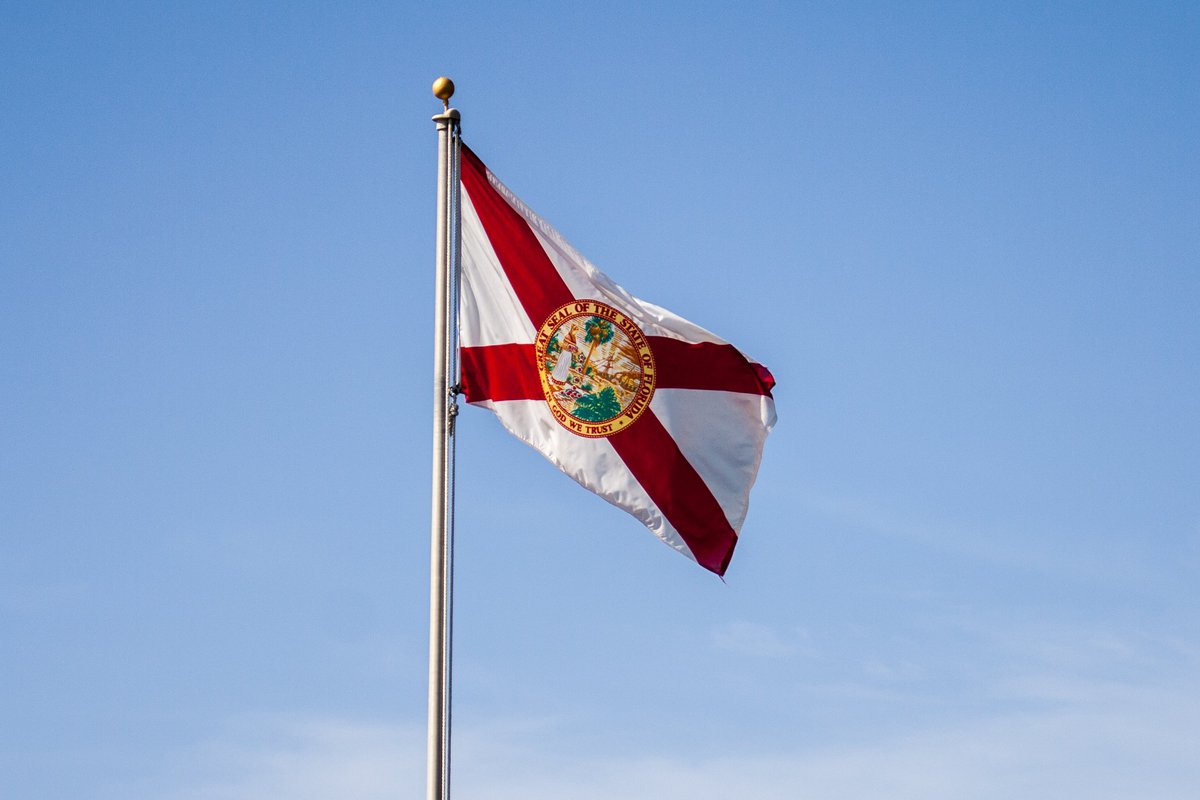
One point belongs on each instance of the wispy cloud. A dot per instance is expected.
(300, 759)
(757, 640)
(1045, 551)
(1124, 741)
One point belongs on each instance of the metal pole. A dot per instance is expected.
(438, 764)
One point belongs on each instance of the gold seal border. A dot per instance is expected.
(645, 391)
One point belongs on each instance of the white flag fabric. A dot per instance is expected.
(649, 411)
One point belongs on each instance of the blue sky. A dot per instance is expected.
(963, 237)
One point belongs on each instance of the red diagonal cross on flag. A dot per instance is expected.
(684, 463)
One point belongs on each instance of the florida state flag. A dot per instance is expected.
(654, 414)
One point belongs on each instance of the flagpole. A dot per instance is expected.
(444, 408)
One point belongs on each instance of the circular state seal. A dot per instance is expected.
(596, 367)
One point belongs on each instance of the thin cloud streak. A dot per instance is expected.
(1124, 741)
(982, 541)
(757, 640)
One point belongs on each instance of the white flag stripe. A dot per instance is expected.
(500, 319)
(726, 456)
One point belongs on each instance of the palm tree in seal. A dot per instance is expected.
(597, 331)
(597, 407)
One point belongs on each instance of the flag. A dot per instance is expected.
(651, 412)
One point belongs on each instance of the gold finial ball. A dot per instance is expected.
(443, 89)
